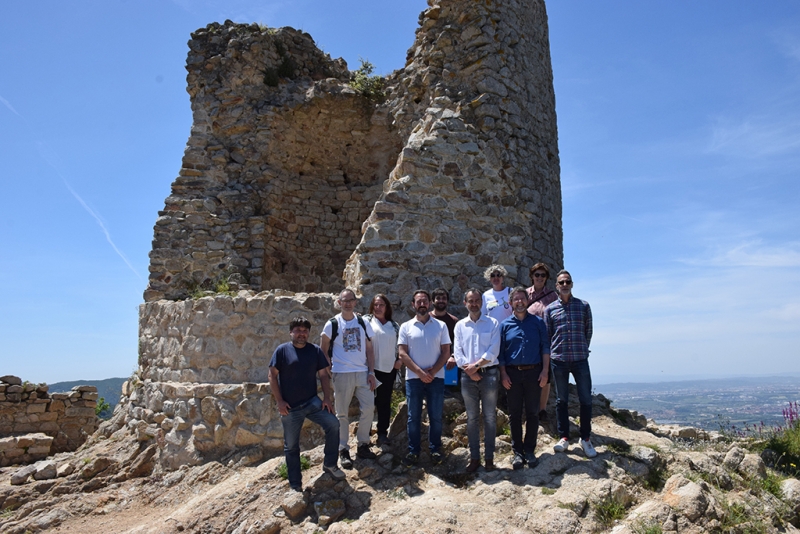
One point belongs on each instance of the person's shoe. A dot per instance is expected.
(473, 465)
(562, 445)
(531, 460)
(410, 460)
(345, 460)
(588, 449)
(365, 453)
(383, 440)
(488, 465)
(517, 462)
(436, 458)
(298, 488)
(335, 472)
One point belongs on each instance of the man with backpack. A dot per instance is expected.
(347, 341)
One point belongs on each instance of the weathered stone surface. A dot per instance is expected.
(22, 475)
(45, 470)
(329, 511)
(11, 380)
(294, 504)
(734, 457)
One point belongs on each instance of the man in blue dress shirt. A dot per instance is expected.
(524, 362)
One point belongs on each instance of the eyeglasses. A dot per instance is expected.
(347, 300)
(564, 282)
(496, 275)
(540, 275)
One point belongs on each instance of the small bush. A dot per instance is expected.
(655, 479)
(283, 471)
(101, 408)
(397, 398)
(785, 442)
(548, 491)
(609, 510)
(365, 83)
(647, 527)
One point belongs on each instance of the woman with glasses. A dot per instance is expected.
(539, 296)
(497, 301)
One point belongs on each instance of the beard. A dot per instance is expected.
(422, 310)
(439, 306)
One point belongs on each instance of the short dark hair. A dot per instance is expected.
(564, 271)
(420, 292)
(385, 300)
(518, 289)
(299, 321)
(538, 266)
(472, 290)
(440, 291)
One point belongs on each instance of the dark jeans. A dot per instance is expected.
(383, 399)
(293, 423)
(583, 382)
(433, 394)
(525, 389)
(477, 393)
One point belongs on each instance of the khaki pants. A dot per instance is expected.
(345, 385)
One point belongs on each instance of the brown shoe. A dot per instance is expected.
(489, 465)
(473, 465)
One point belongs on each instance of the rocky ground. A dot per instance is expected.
(641, 481)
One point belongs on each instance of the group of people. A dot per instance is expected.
(519, 338)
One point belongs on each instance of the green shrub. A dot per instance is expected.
(101, 408)
(609, 510)
(365, 83)
(784, 441)
(283, 471)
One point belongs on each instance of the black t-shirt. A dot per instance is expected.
(450, 320)
(297, 371)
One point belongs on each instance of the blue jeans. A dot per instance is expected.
(475, 393)
(433, 393)
(525, 391)
(293, 423)
(583, 382)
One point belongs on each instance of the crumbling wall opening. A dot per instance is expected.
(330, 157)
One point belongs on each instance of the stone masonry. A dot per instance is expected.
(25, 408)
(294, 183)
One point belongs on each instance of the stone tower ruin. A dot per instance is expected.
(294, 184)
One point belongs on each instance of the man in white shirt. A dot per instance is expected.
(476, 345)
(424, 347)
(353, 368)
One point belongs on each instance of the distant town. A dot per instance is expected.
(709, 404)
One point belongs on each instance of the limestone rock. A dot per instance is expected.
(45, 470)
(294, 504)
(734, 457)
(21, 476)
(329, 511)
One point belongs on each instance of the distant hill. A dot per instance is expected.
(110, 389)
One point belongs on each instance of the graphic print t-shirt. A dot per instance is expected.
(350, 345)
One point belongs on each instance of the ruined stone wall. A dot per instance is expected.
(26, 408)
(477, 181)
(294, 184)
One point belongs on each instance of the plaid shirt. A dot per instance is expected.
(570, 329)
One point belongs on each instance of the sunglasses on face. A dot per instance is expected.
(564, 282)
(496, 275)
(539, 275)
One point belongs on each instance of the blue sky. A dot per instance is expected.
(679, 133)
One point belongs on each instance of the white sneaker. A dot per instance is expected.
(588, 449)
(562, 445)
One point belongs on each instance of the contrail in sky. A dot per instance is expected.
(41, 150)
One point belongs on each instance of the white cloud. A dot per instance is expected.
(7, 104)
(756, 136)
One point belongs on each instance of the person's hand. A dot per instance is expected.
(451, 362)
(543, 378)
(425, 376)
(327, 405)
(283, 407)
(398, 364)
(505, 380)
(372, 381)
(472, 372)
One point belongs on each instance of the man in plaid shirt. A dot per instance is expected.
(569, 324)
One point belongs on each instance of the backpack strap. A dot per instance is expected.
(363, 326)
(334, 332)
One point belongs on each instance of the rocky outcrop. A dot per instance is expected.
(639, 482)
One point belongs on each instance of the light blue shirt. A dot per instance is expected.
(475, 340)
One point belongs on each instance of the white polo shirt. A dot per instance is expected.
(475, 340)
(424, 341)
